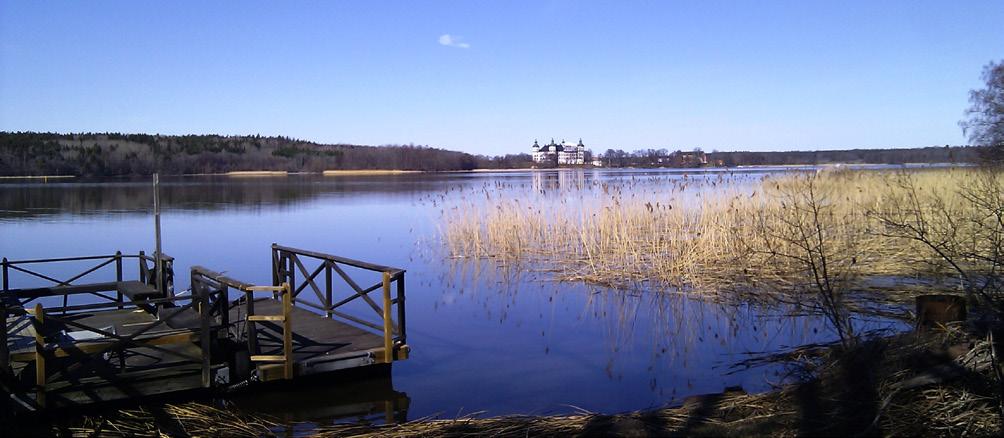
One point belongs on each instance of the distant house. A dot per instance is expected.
(560, 154)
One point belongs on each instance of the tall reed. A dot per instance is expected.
(706, 236)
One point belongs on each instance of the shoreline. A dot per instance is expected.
(370, 172)
(257, 173)
(378, 172)
(39, 177)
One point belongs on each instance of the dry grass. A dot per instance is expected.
(186, 419)
(705, 237)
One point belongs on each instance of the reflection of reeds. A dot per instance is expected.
(667, 326)
(704, 240)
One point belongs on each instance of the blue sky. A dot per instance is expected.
(619, 74)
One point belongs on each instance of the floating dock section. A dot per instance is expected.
(74, 343)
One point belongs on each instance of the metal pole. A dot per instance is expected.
(158, 262)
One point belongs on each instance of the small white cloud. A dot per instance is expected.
(453, 41)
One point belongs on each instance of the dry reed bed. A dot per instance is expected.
(186, 419)
(720, 237)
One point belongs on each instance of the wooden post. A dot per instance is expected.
(401, 333)
(388, 324)
(223, 303)
(290, 271)
(275, 266)
(4, 352)
(39, 357)
(327, 286)
(118, 278)
(201, 294)
(6, 284)
(142, 267)
(252, 332)
(287, 330)
(158, 262)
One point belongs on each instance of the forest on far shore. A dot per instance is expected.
(114, 154)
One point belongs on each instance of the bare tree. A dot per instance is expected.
(985, 123)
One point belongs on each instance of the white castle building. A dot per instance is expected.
(564, 153)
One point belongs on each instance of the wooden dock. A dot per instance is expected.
(74, 343)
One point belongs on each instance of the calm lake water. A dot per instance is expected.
(508, 341)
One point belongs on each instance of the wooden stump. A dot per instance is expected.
(934, 311)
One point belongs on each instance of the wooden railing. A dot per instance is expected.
(303, 270)
(206, 280)
(91, 357)
(102, 264)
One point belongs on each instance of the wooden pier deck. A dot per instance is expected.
(133, 339)
(320, 344)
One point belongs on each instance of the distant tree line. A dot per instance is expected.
(509, 161)
(111, 154)
(697, 157)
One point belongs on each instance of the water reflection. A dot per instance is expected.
(678, 342)
(567, 179)
(352, 397)
(202, 193)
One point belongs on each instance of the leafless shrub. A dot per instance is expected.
(963, 226)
